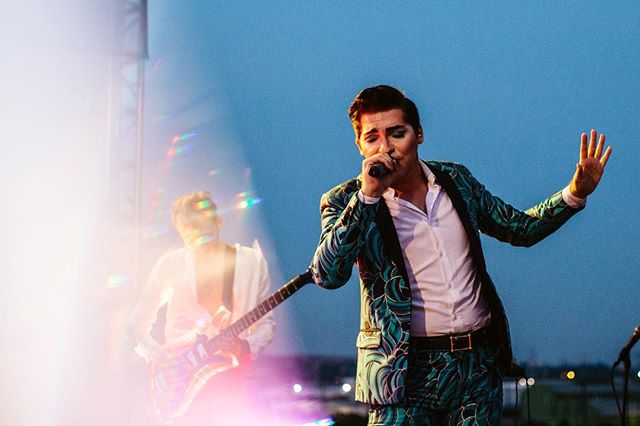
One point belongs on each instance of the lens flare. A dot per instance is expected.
(203, 204)
(322, 422)
(204, 240)
(182, 137)
(177, 150)
(117, 280)
(250, 202)
(147, 235)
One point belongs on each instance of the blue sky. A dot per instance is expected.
(505, 88)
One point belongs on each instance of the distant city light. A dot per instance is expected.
(522, 382)
(571, 375)
(638, 373)
(346, 388)
(531, 381)
(297, 388)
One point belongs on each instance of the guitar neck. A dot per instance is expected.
(263, 308)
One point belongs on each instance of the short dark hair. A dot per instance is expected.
(379, 99)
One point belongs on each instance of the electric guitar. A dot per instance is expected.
(174, 386)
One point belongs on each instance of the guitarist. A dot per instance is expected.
(206, 285)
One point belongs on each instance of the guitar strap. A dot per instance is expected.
(229, 275)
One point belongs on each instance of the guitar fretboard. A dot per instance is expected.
(264, 307)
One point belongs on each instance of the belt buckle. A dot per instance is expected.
(454, 339)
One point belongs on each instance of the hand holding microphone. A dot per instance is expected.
(376, 174)
(378, 170)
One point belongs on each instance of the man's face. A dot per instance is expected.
(199, 230)
(388, 132)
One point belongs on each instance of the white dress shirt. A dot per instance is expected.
(172, 281)
(445, 287)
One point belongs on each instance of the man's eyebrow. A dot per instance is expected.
(388, 129)
(397, 127)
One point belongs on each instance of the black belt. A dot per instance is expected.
(454, 342)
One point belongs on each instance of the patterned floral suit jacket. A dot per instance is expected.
(364, 234)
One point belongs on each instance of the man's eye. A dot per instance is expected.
(399, 134)
(371, 139)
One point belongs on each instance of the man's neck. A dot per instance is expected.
(413, 182)
(413, 187)
(212, 248)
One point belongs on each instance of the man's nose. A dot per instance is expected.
(385, 145)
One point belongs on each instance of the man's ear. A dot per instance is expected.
(358, 145)
(420, 135)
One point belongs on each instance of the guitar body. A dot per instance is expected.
(174, 386)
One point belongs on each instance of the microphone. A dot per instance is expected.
(378, 170)
(624, 353)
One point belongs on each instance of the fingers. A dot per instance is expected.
(592, 143)
(600, 146)
(375, 186)
(605, 157)
(594, 149)
(583, 146)
(382, 158)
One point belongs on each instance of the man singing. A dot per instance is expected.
(206, 285)
(434, 341)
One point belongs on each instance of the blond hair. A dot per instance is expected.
(196, 209)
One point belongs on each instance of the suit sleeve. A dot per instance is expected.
(344, 225)
(502, 221)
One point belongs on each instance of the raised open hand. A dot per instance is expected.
(591, 166)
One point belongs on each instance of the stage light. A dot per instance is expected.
(297, 388)
(571, 375)
(346, 388)
(639, 374)
(522, 382)
(531, 381)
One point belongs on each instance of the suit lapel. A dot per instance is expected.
(390, 237)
